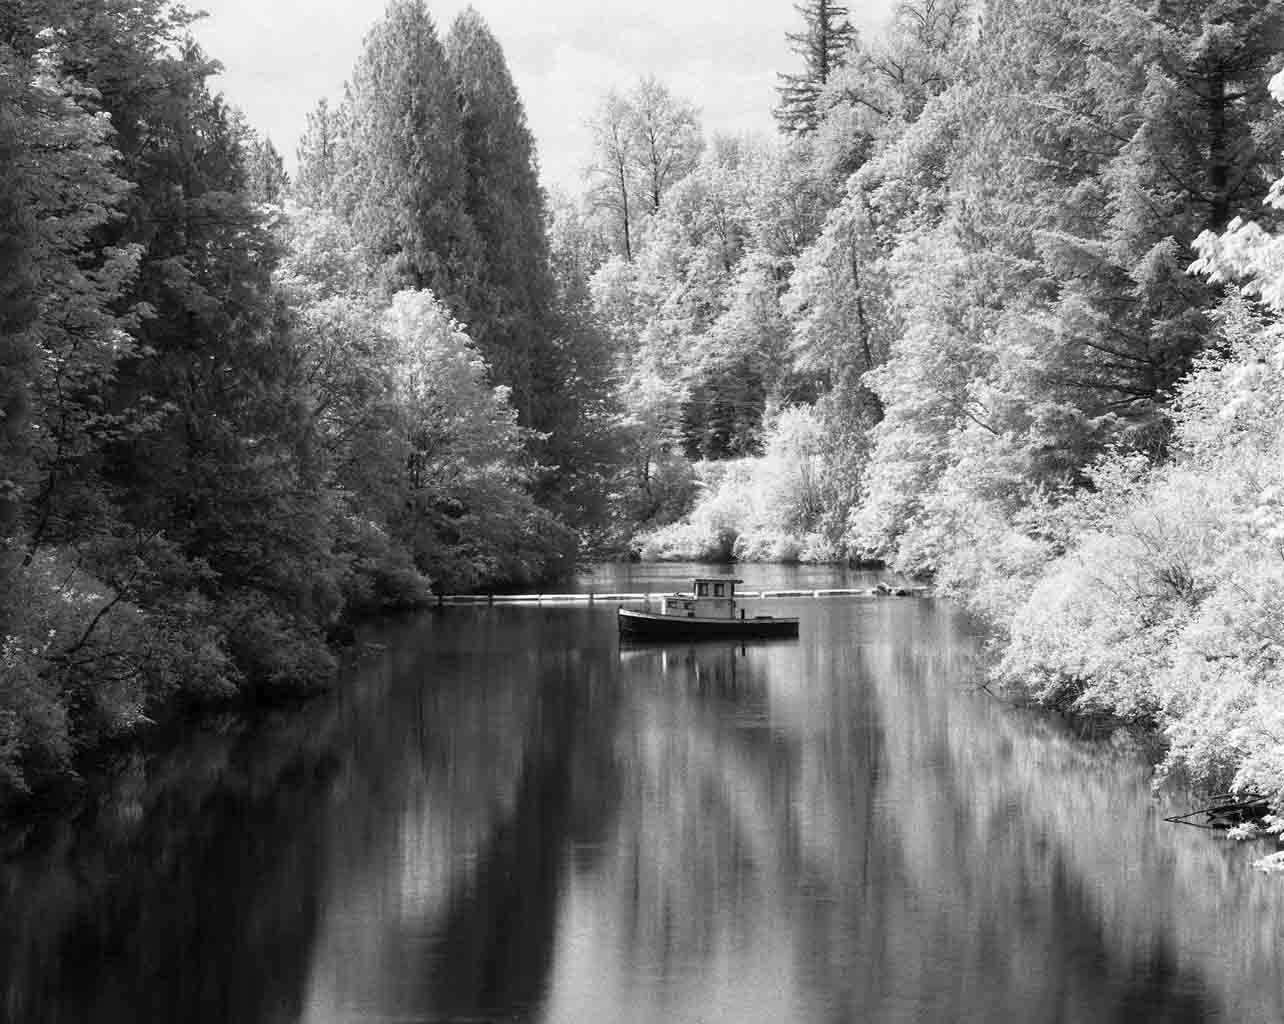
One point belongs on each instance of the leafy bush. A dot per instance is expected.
(767, 546)
(280, 654)
(380, 573)
(683, 542)
(767, 509)
(1170, 607)
(709, 532)
(75, 666)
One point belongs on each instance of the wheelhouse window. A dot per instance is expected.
(719, 590)
(702, 590)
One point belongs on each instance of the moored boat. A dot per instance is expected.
(709, 610)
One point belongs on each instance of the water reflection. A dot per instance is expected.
(507, 816)
(186, 892)
(443, 904)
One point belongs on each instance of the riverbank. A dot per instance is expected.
(53, 736)
(60, 782)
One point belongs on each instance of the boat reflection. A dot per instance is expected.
(726, 803)
(722, 668)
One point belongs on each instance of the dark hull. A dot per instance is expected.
(651, 624)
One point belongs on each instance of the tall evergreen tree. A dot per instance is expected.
(1155, 125)
(508, 301)
(524, 325)
(267, 179)
(404, 179)
(318, 156)
(823, 46)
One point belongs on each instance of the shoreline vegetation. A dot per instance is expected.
(998, 307)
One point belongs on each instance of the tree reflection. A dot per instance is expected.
(743, 785)
(987, 908)
(445, 903)
(184, 891)
(506, 816)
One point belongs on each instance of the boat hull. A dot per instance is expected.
(652, 624)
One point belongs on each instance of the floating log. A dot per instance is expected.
(1227, 811)
(592, 596)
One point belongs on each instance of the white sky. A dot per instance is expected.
(281, 56)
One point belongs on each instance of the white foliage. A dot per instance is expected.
(1171, 606)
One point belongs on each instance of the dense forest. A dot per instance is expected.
(237, 412)
(997, 306)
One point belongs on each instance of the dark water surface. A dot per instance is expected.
(504, 816)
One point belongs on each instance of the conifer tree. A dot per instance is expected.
(508, 301)
(403, 182)
(1159, 130)
(318, 156)
(823, 46)
(156, 533)
(265, 169)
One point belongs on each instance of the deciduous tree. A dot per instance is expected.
(666, 140)
(644, 143)
(610, 175)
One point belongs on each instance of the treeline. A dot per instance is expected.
(971, 317)
(236, 411)
(743, 307)
(985, 311)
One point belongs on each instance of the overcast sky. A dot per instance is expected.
(281, 56)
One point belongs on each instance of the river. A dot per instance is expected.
(503, 815)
